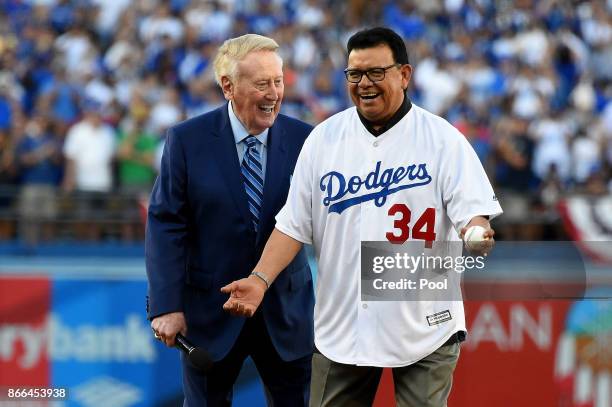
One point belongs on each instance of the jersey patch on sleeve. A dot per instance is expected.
(439, 317)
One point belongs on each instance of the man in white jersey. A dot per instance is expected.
(385, 170)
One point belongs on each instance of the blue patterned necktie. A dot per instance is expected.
(253, 178)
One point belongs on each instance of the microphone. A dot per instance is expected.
(198, 357)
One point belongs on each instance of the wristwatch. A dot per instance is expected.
(262, 277)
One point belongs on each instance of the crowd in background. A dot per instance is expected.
(88, 87)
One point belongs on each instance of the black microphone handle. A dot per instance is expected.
(183, 343)
(198, 357)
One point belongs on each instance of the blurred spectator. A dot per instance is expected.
(567, 72)
(550, 189)
(324, 99)
(5, 111)
(38, 156)
(212, 19)
(108, 14)
(11, 95)
(552, 136)
(198, 54)
(164, 114)
(518, 78)
(405, 18)
(531, 44)
(135, 156)
(7, 162)
(89, 150)
(202, 95)
(63, 95)
(79, 53)
(294, 101)
(437, 85)
(476, 129)
(586, 157)
(7, 181)
(310, 13)
(136, 149)
(161, 24)
(514, 151)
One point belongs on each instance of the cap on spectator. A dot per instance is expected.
(91, 105)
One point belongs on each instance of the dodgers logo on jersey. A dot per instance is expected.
(336, 187)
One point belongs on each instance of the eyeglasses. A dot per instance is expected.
(373, 74)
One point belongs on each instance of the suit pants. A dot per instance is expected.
(286, 383)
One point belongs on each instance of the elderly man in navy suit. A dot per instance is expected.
(224, 176)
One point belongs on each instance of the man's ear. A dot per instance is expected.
(406, 75)
(228, 87)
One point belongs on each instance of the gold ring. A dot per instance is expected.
(156, 335)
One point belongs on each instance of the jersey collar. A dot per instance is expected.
(399, 115)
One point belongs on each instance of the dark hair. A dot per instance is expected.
(373, 37)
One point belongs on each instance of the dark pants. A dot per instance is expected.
(285, 383)
(426, 383)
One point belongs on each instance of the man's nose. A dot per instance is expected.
(364, 82)
(273, 92)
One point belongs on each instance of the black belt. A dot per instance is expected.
(457, 337)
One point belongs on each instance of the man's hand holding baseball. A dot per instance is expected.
(488, 238)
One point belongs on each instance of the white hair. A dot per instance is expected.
(235, 49)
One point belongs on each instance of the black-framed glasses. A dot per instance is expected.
(373, 74)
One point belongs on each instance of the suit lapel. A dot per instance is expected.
(275, 171)
(223, 147)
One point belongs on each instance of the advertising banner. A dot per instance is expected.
(87, 336)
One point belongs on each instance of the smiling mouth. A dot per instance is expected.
(369, 96)
(266, 108)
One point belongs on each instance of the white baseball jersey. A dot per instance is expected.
(344, 185)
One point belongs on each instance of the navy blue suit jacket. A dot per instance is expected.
(199, 235)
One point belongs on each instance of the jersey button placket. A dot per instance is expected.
(374, 150)
(366, 325)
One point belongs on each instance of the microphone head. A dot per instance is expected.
(200, 359)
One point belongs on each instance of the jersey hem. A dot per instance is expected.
(391, 365)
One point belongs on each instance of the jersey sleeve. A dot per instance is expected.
(466, 190)
(295, 218)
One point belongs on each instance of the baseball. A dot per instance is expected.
(474, 238)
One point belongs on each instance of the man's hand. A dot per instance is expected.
(168, 325)
(245, 296)
(489, 234)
